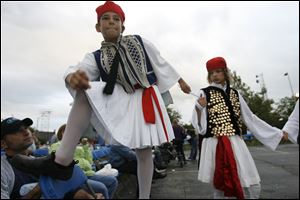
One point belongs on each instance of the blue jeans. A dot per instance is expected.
(110, 183)
(98, 187)
(193, 153)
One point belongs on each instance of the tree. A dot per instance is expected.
(257, 103)
(284, 108)
(242, 87)
(173, 114)
(188, 127)
(190, 130)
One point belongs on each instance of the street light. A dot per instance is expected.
(287, 74)
(260, 80)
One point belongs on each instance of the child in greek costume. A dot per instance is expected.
(119, 89)
(226, 162)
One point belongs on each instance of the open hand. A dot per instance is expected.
(285, 136)
(202, 101)
(184, 86)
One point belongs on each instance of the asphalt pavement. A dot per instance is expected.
(279, 173)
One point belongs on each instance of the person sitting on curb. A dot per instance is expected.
(15, 139)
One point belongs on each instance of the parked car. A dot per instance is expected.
(248, 137)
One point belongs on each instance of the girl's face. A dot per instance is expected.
(110, 25)
(217, 76)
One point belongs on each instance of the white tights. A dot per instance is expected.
(144, 171)
(77, 124)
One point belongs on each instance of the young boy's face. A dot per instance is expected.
(217, 76)
(110, 25)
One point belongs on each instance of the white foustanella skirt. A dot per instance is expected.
(247, 170)
(119, 118)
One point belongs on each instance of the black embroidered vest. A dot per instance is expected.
(223, 112)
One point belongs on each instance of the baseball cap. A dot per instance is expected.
(12, 125)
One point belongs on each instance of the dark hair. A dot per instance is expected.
(60, 132)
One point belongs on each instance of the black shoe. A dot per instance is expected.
(157, 175)
(161, 166)
(43, 166)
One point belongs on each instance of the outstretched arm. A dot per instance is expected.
(77, 77)
(78, 80)
(291, 128)
(199, 115)
(184, 86)
(265, 133)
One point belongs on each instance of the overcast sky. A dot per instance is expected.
(39, 40)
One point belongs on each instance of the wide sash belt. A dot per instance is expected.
(226, 176)
(148, 108)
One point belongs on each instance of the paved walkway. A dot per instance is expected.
(279, 172)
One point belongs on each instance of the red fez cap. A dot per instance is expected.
(216, 63)
(110, 6)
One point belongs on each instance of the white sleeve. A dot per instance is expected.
(266, 134)
(200, 125)
(292, 125)
(88, 65)
(166, 75)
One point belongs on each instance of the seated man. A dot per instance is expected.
(15, 139)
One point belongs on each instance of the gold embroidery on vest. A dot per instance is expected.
(220, 120)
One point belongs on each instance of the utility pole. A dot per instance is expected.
(287, 74)
(261, 81)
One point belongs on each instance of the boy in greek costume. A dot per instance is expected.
(225, 159)
(126, 105)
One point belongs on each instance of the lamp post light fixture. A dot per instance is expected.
(292, 90)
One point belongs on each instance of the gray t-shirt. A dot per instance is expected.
(7, 178)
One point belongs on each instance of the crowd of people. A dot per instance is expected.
(122, 90)
(18, 138)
